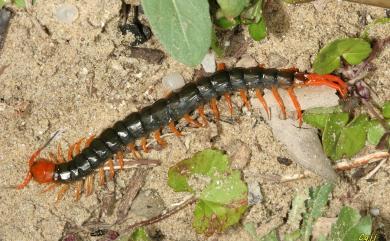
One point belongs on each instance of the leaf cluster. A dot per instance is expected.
(222, 201)
(348, 227)
(185, 27)
(350, 50)
(343, 136)
(232, 13)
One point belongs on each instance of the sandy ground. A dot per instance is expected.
(79, 79)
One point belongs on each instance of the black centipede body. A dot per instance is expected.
(159, 114)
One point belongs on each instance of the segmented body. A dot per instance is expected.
(158, 115)
(167, 112)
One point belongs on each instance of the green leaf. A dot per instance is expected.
(315, 205)
(215, 44)
(250, 228)
(369, 26)
(226, 23)
(317, 117)
(232, 8)
(352, 138)
(350, 226)
(223, 201)
(20, 3)
(221, 204)
(293, 236)
(332, 131)
(2, 3)
(375, 132)
(297, 208)
(140, 235)
(271, 236)
(183, 27)
(258, 31)
(254, 13)
(353, 50)
(207, 162)
(386, 109)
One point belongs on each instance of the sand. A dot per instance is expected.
(78, 79)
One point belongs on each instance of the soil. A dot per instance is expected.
(77, 78)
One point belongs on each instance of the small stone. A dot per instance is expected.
(66, 13)
(173, 82)
(240, 154)
(374, 211)
(208, 63)
(275, 60)
(246, 61)
(254, 193)
(148, 204)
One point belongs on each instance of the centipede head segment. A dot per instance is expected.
(332, 81)
(41, 171)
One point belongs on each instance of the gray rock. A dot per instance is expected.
(148, 204)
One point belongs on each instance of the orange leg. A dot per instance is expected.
(89, 140)
(331, 81)
(160, 141)
(245, 99)
(202, 115)
(28, 177)
(172, 126)
(52, 158)
(143, 144)
(119, 157)
(79, 186)
(297, 106)
(259, 95)
(110, 164)
(60, 157)
(70, 152)
(134, 151)
(214, 108)
(102, 178)
(61, 193)
(221, 66)
(229, 102)
(50, 187)
(191, 121)
(279, 101)
(88, 184)
(77, 146)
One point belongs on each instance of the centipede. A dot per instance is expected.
(188, 104)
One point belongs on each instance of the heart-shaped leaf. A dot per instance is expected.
(353, 50)
(183, 27)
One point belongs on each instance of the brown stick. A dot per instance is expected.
(378, 3)
(360, 161)
(136, 182)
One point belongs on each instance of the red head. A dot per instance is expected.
(41, 171)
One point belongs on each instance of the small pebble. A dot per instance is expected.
(148, 204)
(374, 211)
(254, 193)
(66, 13)
(208, 63)
(275, 60)
(246, 61)
(173, 82)
(241, 154)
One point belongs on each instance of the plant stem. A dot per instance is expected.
(378, 3)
